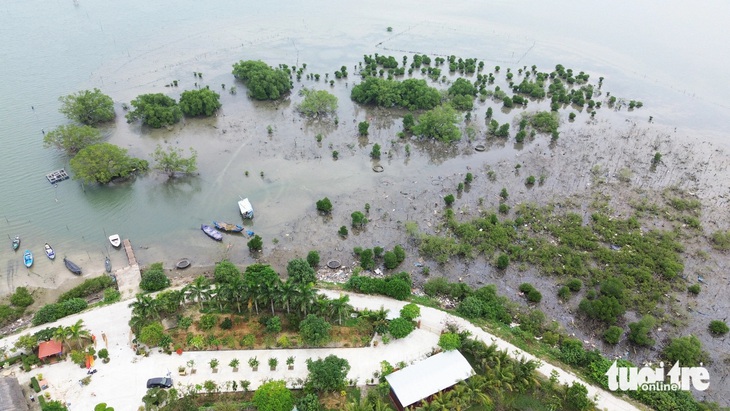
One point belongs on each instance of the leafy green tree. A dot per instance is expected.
(687, 350)
(225, 272)
(375, 153)
(408, 122)
(545, 121)
(53, 406)
(606, 308)
(300, 272)
(439, 123)
(358, 219)
(328, 374)
(576, 397)
(324, 205)
(256, 243)
(87, 107)
(103, 407)
(273, 396)
(21, 297)
(72, 138)
(154, 278)
(313, 258)
(462, 86)
(172, 161)
(449, 341)
(362, 128)
(503, 261)
(317, 103)
(639, 331)
(390, 261)
(716, 327)
(155, 110)
(314, 330)
(400, 327)
(449, 199)
(263, 82)
(410, 311)
(100, 163)
(367, 260)
(202, 102)
(152, 334)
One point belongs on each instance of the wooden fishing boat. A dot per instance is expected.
(49, 251)
(71, 266)
(211, 232)
(28, 258)
(16, 243)
(107, 264)
(115, 240)
(233, 228)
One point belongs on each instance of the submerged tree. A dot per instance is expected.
(172, 161)
(203, 102)
(317, 103)
(439, 123)
(72, 138)
(155, 110)
(263, 82)
(100, 163)
(87, 107)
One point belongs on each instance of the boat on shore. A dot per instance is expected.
(183, 263)
(28, 258)
(107, 264)
(246, 208)
(49, 251)
(71, 266)
(115, 240)
(211, 232)
(16, 243)
(233, 228)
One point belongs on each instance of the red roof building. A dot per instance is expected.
(49, 348)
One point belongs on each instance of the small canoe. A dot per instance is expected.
(28, 258)
(16, 243)
(211, 232)
(107, 265)
(115, 240)
(183, 263)
(233, 228)
(72, 267)
(49, 251)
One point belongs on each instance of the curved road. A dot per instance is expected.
(121, 382)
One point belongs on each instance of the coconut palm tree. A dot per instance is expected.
(78, 332)
(61, 335)
(198, 290)
(339, 307)
(146, 307)
(287, 290)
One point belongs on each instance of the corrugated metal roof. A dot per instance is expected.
(11, 395)
(427, 377)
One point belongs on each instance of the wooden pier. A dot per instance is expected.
(56, 176)
(130, 253)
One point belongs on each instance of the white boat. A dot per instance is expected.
(246, 208)
(115, 240)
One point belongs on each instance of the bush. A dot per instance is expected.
(151, 334)
(718, 327)
(449, 341)
(208, 321)
(87, 288)
(534, 296)
(343, 231)
(503, 208)
(328, 374)
(362, 128)
(111, 295)
(471, 307)
(358, 219)
(502, 261)
(324, 205)
(256, 243)
(525, 288)
(154, 278)
(436, 286)
(52, 312)
(410, 311)
(687, 350)
(21, 297)
(34, 384)
(574, 285)
(400, 327)
(273, 324)
(604, 308)
(639, 331)
(694, 289)
(449, 199)
(564, 293)
(314, 330)
(613, 334)
(576, 397)
(226, 324)
(313, 259)
(390, 261)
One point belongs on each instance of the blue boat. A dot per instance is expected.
(49, 252)
(233, 228)
(211, 232)
(28, 258)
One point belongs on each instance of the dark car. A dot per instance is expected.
(161, 382)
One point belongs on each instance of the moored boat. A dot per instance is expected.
(107, 264)
(211, 232)
(49, 251)
(233, 228)
(115, 240)
(183, 263)
(28, 258)
(71, 266)
(246, 208)
(16, 243)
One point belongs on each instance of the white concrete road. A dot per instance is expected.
(121, 382)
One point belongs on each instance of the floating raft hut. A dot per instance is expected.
(56, 176)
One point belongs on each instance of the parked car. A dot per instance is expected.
(161, 382)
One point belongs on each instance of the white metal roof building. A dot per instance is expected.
(425, 378)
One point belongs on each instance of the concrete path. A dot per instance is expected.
(121, 383)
